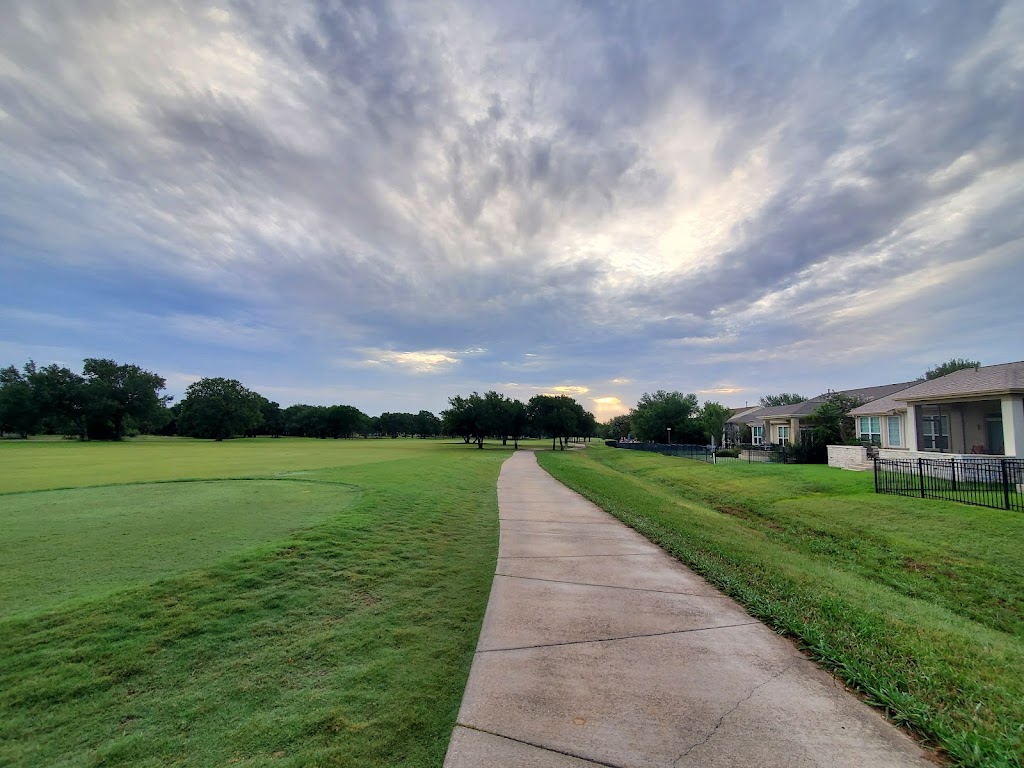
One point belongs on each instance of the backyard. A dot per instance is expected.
(915, 603)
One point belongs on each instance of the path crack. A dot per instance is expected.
(535, 745)
(616, 639)
(734, 707)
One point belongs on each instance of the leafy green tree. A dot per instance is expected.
(832, 422)
(955, 364)
(19, 410)
(656, 413)
(783, 398)
(116, 395)
(426, 424)
(271, 419)
(558, 417)
(60, 396)
(615, 428)
(713, 417)
(518, 421)
(466, 418)
(217, 408)
(344, 420)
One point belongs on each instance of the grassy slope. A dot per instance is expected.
(345, 643)
(918, 604)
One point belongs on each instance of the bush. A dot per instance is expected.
(728, 453)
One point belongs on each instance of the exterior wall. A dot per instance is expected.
(1013, 425)
(895, 453)
(910, 431)
(848, 456)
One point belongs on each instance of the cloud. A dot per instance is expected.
(482, 191)
(422, 361)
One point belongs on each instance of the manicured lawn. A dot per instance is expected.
(322, 611)
(918, 604)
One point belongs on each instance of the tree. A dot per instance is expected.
(955, 364)
(19, 411)
(216, 408)
(783, 398)
(466, 418)
(557, 416)
(713, 417)
(60, 396)
(518, 421)
(655, 414)
(426, 424)
(118, 394)
(832, 423)
(616, 427)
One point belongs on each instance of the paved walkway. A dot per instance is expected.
(598, 649)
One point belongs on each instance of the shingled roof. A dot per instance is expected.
(1006, 378)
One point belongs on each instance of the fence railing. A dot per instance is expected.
(997, 483)
(776, 454)
(698, 452)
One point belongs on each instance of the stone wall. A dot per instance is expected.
(848, 456)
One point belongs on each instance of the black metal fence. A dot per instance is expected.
(997, 483)
(698, 452)
(776, 454)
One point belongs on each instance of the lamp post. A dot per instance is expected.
(670, 435)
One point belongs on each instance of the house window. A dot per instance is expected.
(757, 435)
(783, 435)
(895, 438)
(869, 429)
(935, 433)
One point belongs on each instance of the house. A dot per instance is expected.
(781, 424)
(971, 411)
(739, 427)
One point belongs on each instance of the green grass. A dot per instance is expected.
(918, 604)
(321, 611)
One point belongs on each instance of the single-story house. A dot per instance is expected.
(781, 424)
(971, 411)
(738, 429)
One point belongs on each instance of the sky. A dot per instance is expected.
(385, 204)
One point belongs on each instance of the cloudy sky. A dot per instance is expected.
(388, 203)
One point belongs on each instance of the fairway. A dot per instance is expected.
(62, 546)
(252, 602)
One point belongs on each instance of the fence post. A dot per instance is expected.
(1006, 483)
(920, 475)
(876, 474)
(952, 473)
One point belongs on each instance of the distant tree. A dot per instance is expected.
(943, 369)
(783, 398)
(518, 421)
(616, 427)
(713, 417)
(19, 409)
(558, 417)
(271, 419)
(395, 424)
(656, 413)
(60, 396)
(116, 395)
(426, 424)
(217, 408)
(466, 418)
(344, 420)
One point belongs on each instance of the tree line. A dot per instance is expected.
(110, 401)
(492, 414)
(669, 417)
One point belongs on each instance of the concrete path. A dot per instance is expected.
(598, 649)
